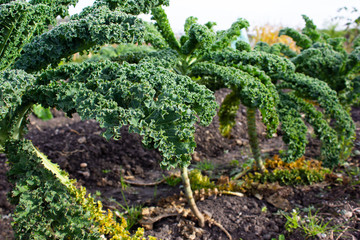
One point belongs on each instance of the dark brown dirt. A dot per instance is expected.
(102, 166)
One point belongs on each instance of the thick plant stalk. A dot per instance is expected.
(253, 138)
(190, 198)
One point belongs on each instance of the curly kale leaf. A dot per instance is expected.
(282, 49)
(18, 23)
(242, 46)
(325, 58)
(188, 23)
(134, 7)
(227, 113)
(261, 75)
(224, 38)
(293, 127)
(263, 47)
(323, 63)
(14, 30)
(21, 21)
(353, 95)
(310, 88)
(353, 61)
(166, 58)
(310, 29)
(199, 38)
(307, 37)
(252, 92)
(159, 105)
(271, 64)
(153, 37)
(337, 44)
(330, 148)
(301, 40)
(14, 84)
(103, 26)
(58, 7)
(163, 25)
(295, 130)
(278, 49)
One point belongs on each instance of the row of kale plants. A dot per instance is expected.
(160, 94)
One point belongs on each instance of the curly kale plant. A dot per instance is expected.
(260, 79)
(304, 92)
(337, 140)
(195, 55)
(325, 58)
(154, 102)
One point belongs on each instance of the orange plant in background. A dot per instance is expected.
(270, 35)
(300, 163)
(299, 172)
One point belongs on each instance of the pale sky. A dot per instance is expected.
(286, 13)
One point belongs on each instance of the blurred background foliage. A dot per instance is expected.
(346, 24)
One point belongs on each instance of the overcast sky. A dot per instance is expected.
(258, 12)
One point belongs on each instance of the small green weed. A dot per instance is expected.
(124, 185)
(309, 209)
(292, 221)
(132, 214)
(234, 163)
(245, 167)
(248, 164)
(354, 174)
(172, 180)
(281, 237)
(311, 225)
(264, 209)
(205, 166)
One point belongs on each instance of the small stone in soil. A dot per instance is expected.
(196, 157)
(81, 140)
(86, 174)
(138, 170)
(83, 165)
(348, 214)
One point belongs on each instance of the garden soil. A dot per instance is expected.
(120, 174)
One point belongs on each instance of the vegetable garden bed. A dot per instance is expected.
(73, 143)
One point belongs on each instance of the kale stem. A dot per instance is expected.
(253, 138)
(190, 198)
